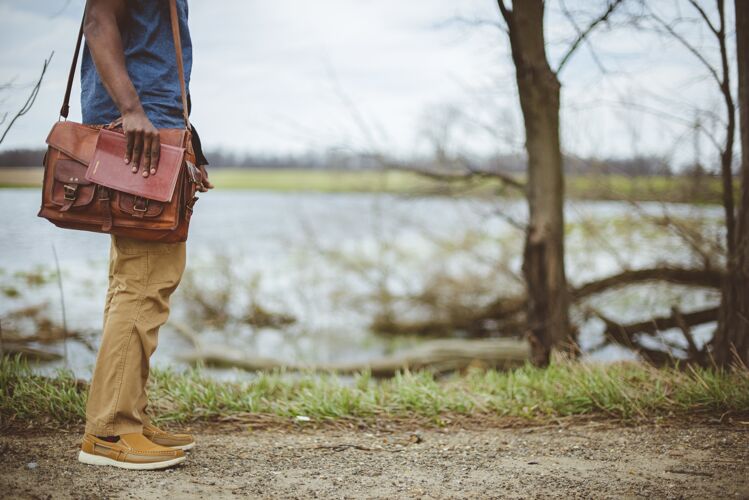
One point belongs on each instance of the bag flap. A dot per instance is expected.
(79, 141)
(71, 172)
(75, 140)
(108, 168)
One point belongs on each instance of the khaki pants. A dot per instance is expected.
(142, 277)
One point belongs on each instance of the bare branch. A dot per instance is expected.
(704, 15)
(686, 330)
(506, 13)
(582, 35)
(628, 334)
(30, 100)
(683, 41)
(690, 277)
(472, 22)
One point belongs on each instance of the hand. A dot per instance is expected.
(143, 144)
(206, 184)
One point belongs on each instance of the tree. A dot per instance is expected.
(732, 337)
(539, 90)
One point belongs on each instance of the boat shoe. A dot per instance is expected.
(130, 451)
(177, 441)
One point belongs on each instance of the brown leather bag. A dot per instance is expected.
(71, 201)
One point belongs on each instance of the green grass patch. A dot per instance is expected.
(622, 391)
(590, 187)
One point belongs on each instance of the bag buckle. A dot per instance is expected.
(71, 191)
(141, 208)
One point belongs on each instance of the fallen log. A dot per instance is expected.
(28, 352)
(707, 278)
(507, 314)
(661, 323)
(627, 334)
(438, 356)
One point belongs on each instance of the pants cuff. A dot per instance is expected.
(113, 431)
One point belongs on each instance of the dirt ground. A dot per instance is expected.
(584, 460)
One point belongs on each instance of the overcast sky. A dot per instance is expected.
(288, 76)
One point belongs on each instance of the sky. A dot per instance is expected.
(288, 77)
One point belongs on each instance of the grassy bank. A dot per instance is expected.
(593, 187)
(621, 391)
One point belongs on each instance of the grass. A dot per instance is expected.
(598, 187)
(624, 391)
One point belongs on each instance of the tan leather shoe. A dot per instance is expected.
(132, 451)
(168, 439)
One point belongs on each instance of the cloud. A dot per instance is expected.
(275, 76)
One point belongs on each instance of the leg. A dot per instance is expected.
(110, 285)
(144, 275)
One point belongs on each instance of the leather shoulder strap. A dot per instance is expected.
(180, 64)
(65, 109)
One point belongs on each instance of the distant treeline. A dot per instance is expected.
(637, 166)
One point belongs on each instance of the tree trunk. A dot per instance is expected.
(543, 264)
(732, 338)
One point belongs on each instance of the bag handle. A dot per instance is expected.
(65, 109)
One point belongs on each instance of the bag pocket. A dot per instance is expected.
(138, 206)
(70, 189)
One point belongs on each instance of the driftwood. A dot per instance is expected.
(706, 278)
(28, 352)
(439, 356)
(627, 335)
(507, 314)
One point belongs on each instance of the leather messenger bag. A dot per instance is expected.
(87, 185)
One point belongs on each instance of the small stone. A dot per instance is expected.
(32, 465)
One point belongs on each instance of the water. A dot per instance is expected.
(320, 257)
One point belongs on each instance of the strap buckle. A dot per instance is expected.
(141, 208)
(71, 191)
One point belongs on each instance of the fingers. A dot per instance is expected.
(155, 153)
(151, 150)
(205, 184)
(147, 140)
(129, 150)
(137, 149)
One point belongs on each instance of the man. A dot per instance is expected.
(129, 70)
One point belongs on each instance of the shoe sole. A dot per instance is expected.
(88, 458)
(184, 447)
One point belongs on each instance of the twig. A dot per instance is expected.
(690, 472)
(62, 304)
(693, 351)
(691, 48)
(345, 446)
(468, 174)
(506, 13)
(30, 100)
(582, 35)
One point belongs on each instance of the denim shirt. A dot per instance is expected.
(151, 63)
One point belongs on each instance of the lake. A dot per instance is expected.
(321, 258)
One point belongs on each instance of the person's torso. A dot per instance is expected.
(151, 63)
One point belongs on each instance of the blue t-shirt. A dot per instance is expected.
(151, 64)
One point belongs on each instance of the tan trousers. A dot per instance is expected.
(142, 277)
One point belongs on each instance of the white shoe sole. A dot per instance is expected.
(185, 447)
(90, 459)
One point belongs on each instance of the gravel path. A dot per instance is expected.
(591, 460)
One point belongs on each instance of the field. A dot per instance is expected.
(599, 187)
